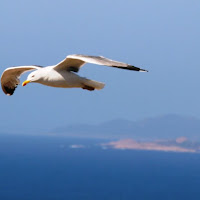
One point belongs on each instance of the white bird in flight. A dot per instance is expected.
(62, 75)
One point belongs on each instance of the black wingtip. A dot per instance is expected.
(143, 70)
(131, 67)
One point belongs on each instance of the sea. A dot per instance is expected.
(34, 167)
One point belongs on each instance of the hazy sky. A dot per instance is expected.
(161, 36)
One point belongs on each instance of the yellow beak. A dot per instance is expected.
(25, 82)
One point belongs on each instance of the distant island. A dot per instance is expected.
(164, 133)
(179, 145)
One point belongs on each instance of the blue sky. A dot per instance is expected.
(161, 36)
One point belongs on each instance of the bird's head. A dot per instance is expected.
(32, 77)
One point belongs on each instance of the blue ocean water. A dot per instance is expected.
(36, 167)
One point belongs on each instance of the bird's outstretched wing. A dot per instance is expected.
(10, 77)
(74, 62)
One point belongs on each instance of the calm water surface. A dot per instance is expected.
(35, 167)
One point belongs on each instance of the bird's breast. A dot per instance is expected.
(61, 79)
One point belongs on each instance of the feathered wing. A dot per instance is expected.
(10, 77)
(74, 62)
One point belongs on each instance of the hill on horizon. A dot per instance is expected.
(168, 126)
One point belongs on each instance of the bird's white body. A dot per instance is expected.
(62, 75)
(63, 79)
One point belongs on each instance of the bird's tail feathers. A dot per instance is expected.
(94, 84)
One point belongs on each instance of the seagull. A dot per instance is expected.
(62, 75)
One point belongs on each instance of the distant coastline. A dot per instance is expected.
(179, 145)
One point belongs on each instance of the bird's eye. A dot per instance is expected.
(33, 76)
